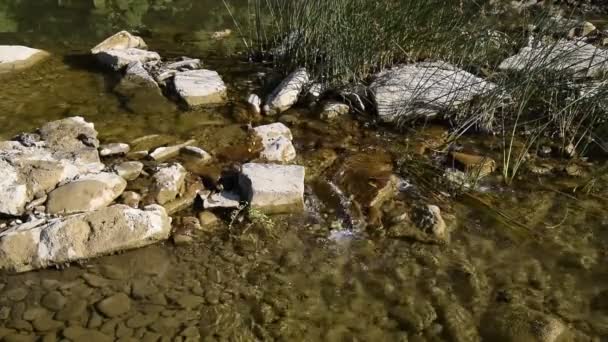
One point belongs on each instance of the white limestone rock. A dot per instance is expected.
(570, 56)
(120, 41)
(200, 87)
(166, 152)
(273, 188)
(224, 199)
(422, 90)
(333, 109)
(87, 193)
(14, 57)
(113, 149)
(287, 93)
(82, 236)
(168, 182)
(277, 142)
(118, 59)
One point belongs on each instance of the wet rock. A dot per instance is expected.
(113, 149)
(72, 311)
(14, 57)
(166, 152)
(254, 102)
(46, 323)
(168, 182)
(19, 338)
(187, 198)
(207, 219)
(189, 301)
(120, 41)
(201, 155)
(95, 281)
(273, 188)
(129, 170)
(422, 90)
(224, 199)
(131, 199)
(118, 59)
(428, 219)
(569, 56)
(86, 193)
(53, 301)
(114, 305)
(287, 93)
(135, 79)
(76, 333)
(415, 315)
(82, 236)
(16, 294)
(33, 313)
(276, 141)
(333, 109)
(473, 165)
(511, 323)
(200, 87)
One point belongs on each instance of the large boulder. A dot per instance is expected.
(34, 164)
(276, 140)
(13, 57)
(118, 59)
(273, 188)
(287, 93)
(570, 56)
(58, 241)
(87, 193)
(200, 87)
(423, 90)
(120, 41)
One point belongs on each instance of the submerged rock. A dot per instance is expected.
(254, 102)
(511, 323)
(120, 41)
(82, 236)
(200, 87)
(168, 182)
(273, 188)
(474, 165)
(276, 141)
(166, 152)
(422, 90)
(14, 57)
(287, 93)
(571, 56)
(118, 59)
(86, 193)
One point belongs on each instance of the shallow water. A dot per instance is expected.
(532, 252)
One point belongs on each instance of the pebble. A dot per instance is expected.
(114, 305)
(94, 280)
(53, 301)
(46, 323)
(131, 199)
(76, 333)
(34, 313)
(129, 170)
(112, 149)
(16, 294)
(207, 219)
(72, 311)
(190, 301)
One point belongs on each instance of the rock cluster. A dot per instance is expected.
(143, 69)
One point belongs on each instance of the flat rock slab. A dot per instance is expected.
(14, 57)
(273, 188)
(136, 78)
(82, 236)
(286, 94)
(423, 90)
(87, 193)
(119, 59)
(120, 41)
(276, 140)
(572, 56)
(200, 87)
